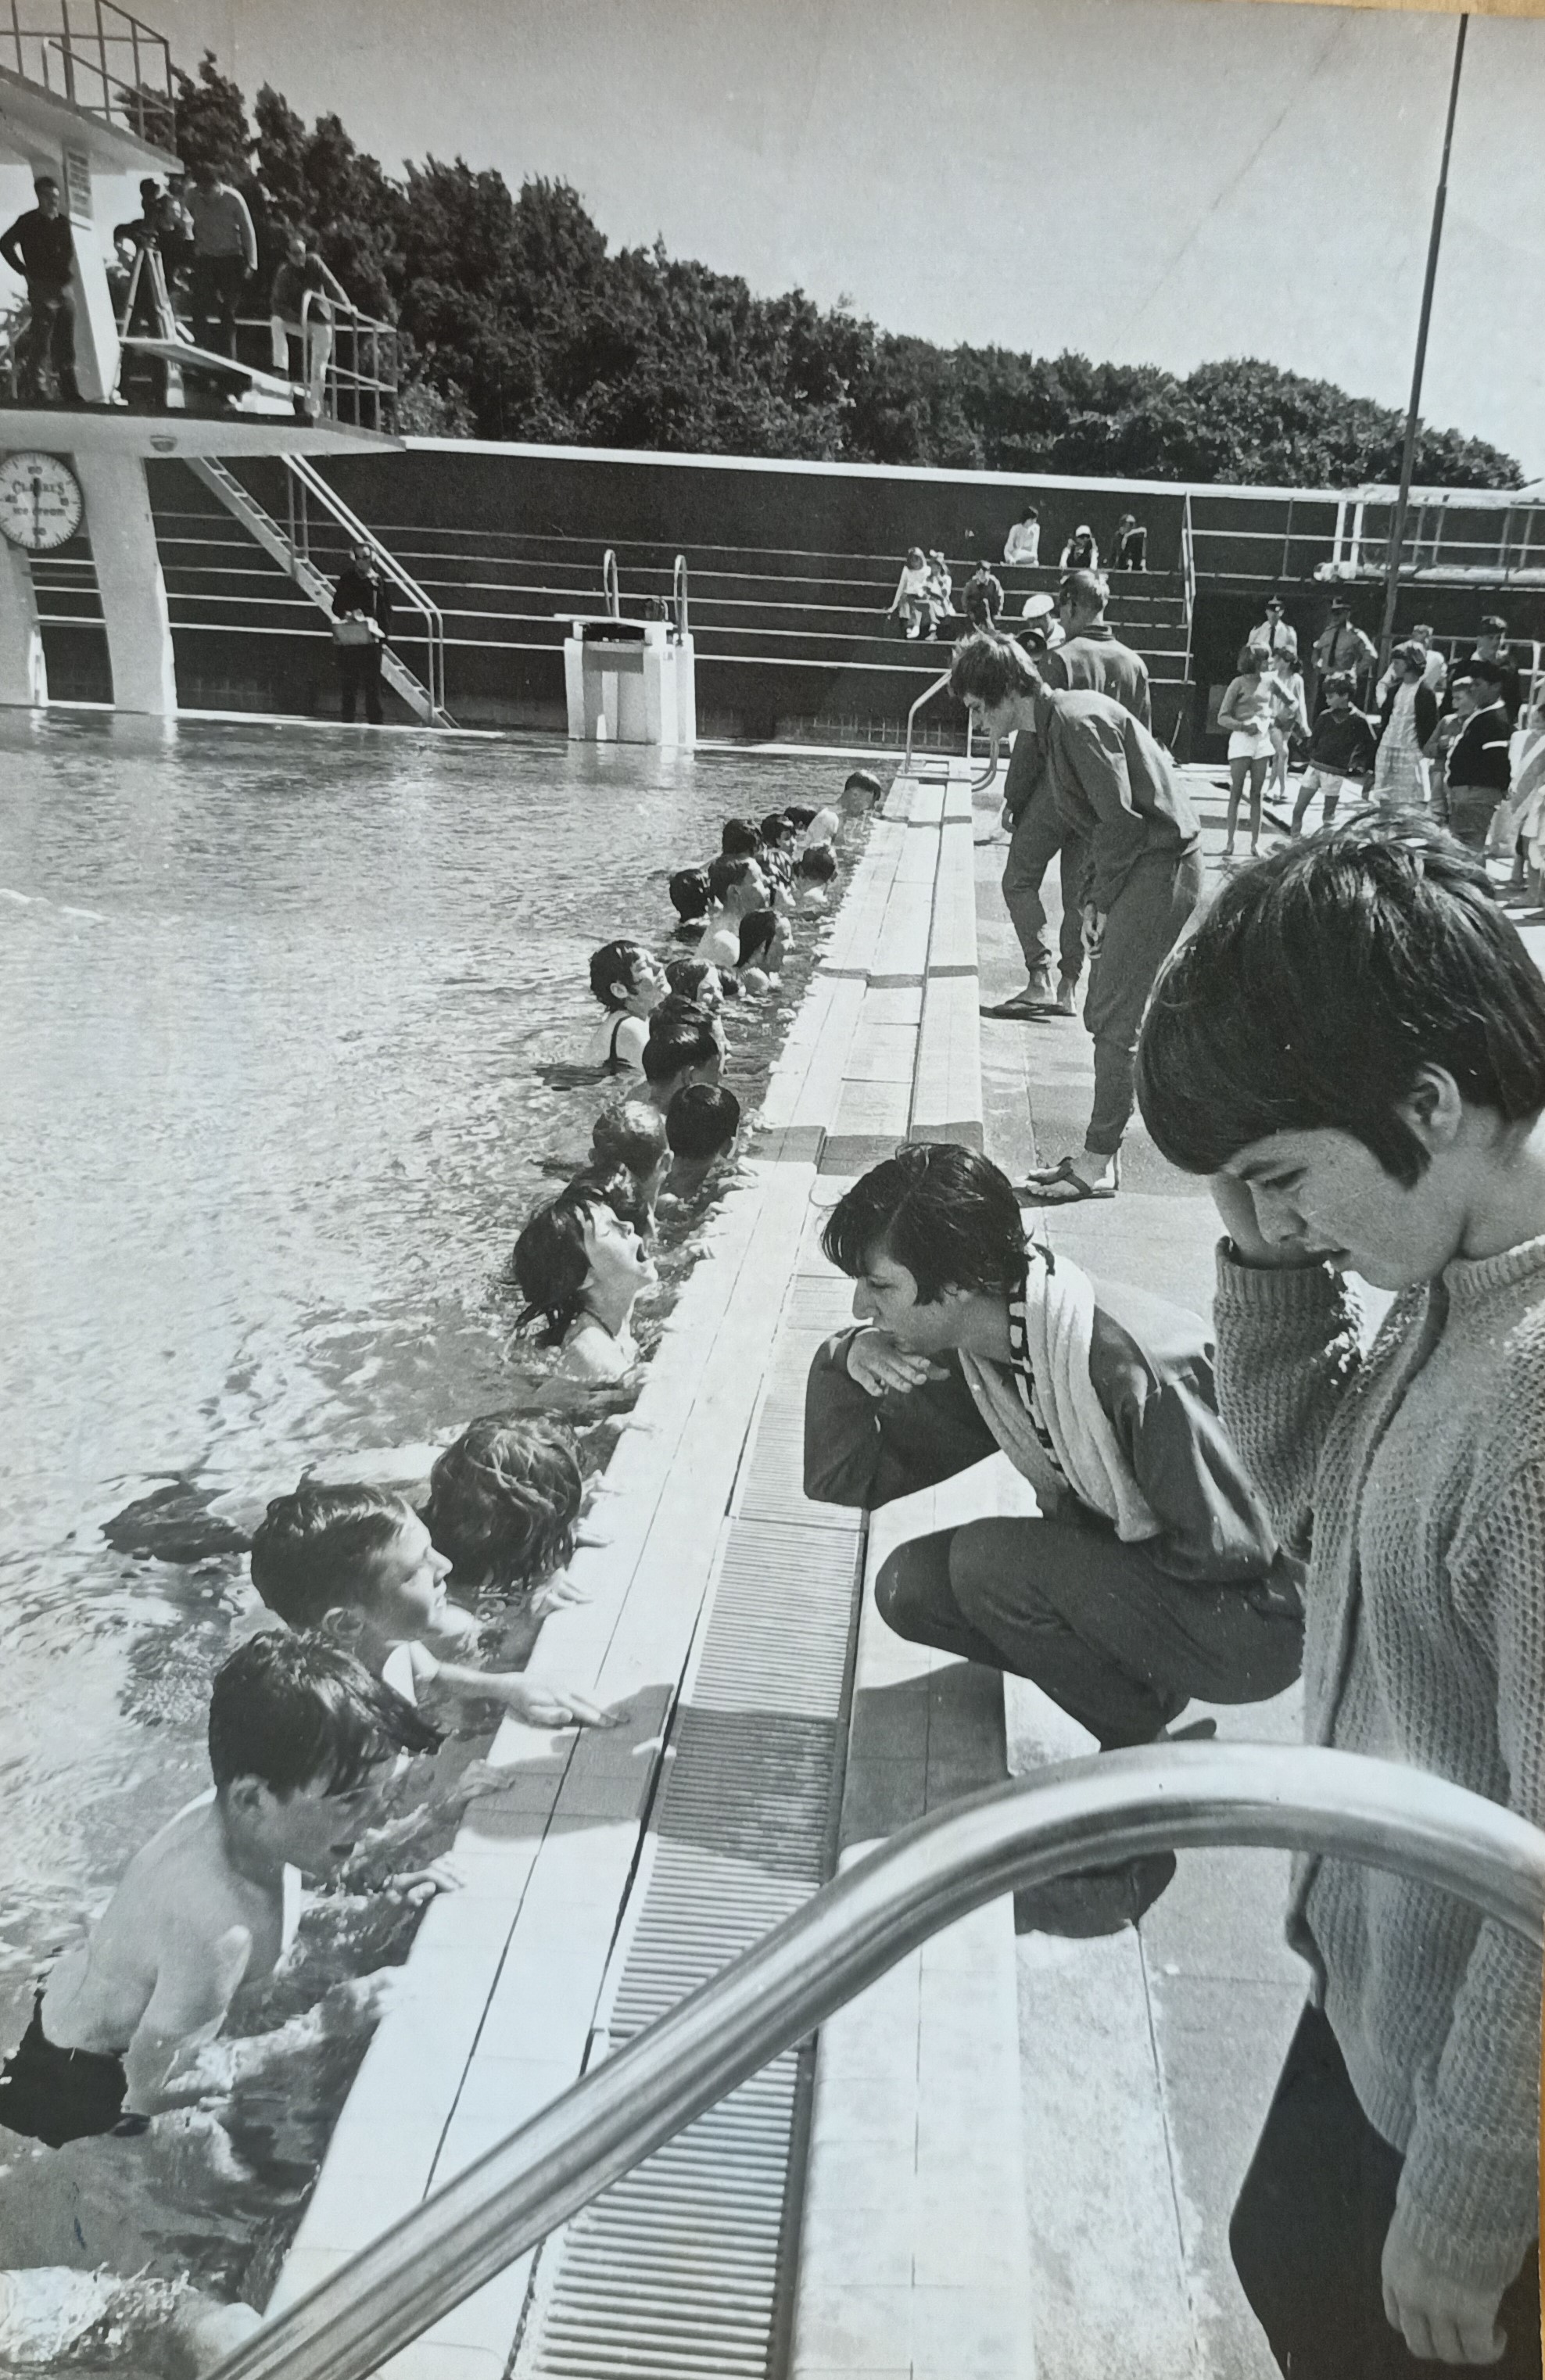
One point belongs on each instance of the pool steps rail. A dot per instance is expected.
(289, 546)
(1109, 1807)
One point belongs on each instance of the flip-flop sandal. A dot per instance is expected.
(1018, 1009)
(1044, 1193)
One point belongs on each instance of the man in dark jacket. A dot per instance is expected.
(1171, 1587)
(1479, 760)
(40, 245)
(362, 614)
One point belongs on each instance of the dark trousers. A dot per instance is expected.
(1309, 2233)
(1146, 920)
(359, 670)
(218, 282)
(50, 339)
(1039, 837)
(1470, 811)
(1115, 1640)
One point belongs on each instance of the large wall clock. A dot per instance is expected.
(41, 502)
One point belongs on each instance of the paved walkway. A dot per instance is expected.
(1148, 2059)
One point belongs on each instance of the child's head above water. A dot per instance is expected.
(629, 1134)
(702, 1122)
(740, 839)
(334, 1557)
(799, 814)
(737, 883)
(300, 1735)
(624, 974)
(816, 866)
(697, 979)
(763, 939)
(575, 1242)
(689, 891)
(862, 790)
(504, 1498)
(682, 1041)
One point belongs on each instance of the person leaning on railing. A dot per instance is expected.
(301, 307)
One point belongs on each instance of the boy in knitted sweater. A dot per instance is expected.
(1353, 1047)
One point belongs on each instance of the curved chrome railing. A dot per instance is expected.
(936, 685)
(679, 596)
(1115, 1806)
(611, 589)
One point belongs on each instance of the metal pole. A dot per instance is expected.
(1408, 452)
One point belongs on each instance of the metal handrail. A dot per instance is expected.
(1188, 565)
(610, 589)
(312, 482)
(927, 696)
(678, 594)
(144, 107)
(1115, 1806)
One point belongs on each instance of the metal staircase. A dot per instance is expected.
(290, 546)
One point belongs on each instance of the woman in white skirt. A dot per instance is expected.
(1247, 710)
(1406, 717)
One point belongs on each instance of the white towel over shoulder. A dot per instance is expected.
(1059, 1320)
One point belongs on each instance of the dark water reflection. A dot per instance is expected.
(279, 1016)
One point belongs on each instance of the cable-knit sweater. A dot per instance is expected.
(1413, 1478)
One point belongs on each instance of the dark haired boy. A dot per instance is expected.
(702, 1124)
(1343, 744)
(815, 872)
(740, 838)
(1152, 1576)
(359, 1564)
(684, 1046)
(690, 898)
(300, 1740)
(740, 885)
(1478, 767)
(629, 982)
(1353, 1048)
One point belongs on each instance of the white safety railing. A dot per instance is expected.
(1115, 1806)
(100, 59)
(611, 589)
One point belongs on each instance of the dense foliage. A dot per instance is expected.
(518, 322)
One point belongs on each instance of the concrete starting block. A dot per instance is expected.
(630, 682)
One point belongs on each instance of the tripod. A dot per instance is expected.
(147, 298)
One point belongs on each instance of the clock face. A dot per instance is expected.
(41, 504)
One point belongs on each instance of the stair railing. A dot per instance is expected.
(610, 588)
(312, 483)
(1115, 1806)
(926, 695)
(1188, 567)
(678, 595)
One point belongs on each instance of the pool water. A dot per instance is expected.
(277, 1008)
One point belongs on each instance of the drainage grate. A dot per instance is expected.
(678, 2271)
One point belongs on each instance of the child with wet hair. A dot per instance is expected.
(763, 946)
(629, 982)
(504, 1501)
(628, 1162)
(815, 871)
(358, 1565)
(690, 898)
(740, 885)
(702, 1124)
(580, 1267)
(700, 980)
(799, 814)
(740, 838)
(685, 1045)
(860, 797)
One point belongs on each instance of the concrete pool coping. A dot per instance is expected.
(500, 1997)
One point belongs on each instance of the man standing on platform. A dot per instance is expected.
(225, 258)
(1116, 791)
(1341, 646)
(1090, 659)
(40, 245)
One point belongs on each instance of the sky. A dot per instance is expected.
(1170, 181)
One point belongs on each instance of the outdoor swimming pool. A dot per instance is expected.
(273, 1008)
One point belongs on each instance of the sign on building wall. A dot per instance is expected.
(77, 184)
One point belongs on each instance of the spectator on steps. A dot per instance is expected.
(1022, 545)
(225, 258)
(981, 598)
(1081, 552)
(40, 246)
(1130, 552)
(910, 602)
(361, 631)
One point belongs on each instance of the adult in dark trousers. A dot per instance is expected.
(361, 631)
(1150, 1575)
(1479, 765)
(1116, 791)
(1091, 658)
(1341, 645)
(225, 258)
(1491, 646)
(40, 246)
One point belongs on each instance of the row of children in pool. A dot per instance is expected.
(311, 1727)
(583, 1257)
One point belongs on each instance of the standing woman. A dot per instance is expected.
(1247, 710)
(1289, 716)
(1406, 717)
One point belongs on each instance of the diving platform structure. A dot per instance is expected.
(86, 93)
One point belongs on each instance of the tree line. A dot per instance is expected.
(518, 321)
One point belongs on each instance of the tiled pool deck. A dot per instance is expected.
(1022, 2153)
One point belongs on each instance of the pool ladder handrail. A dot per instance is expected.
(304, 480)
(611, 589)
(1115, 1806)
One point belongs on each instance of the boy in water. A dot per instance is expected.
(685, 1045)
(629, 1160)
(629, 982)
(739, 886)
(702, 1124)
(300, 1740)
(359, 1564)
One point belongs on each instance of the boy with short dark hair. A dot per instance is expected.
(1351, 1045)
(300, 1738)
(358, 1563)
(740, 885)
(629, 982)
(682, 1047)
(702, 1124)
(815, 871)
(1343, 742)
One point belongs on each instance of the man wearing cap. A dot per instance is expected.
(1341, 645)
(40, 245)
(1090, 659)
(1273, 632)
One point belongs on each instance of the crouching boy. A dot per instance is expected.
(1353, 1048)
(300, 1741)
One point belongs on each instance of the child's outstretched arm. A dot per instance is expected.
(534, 1700)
